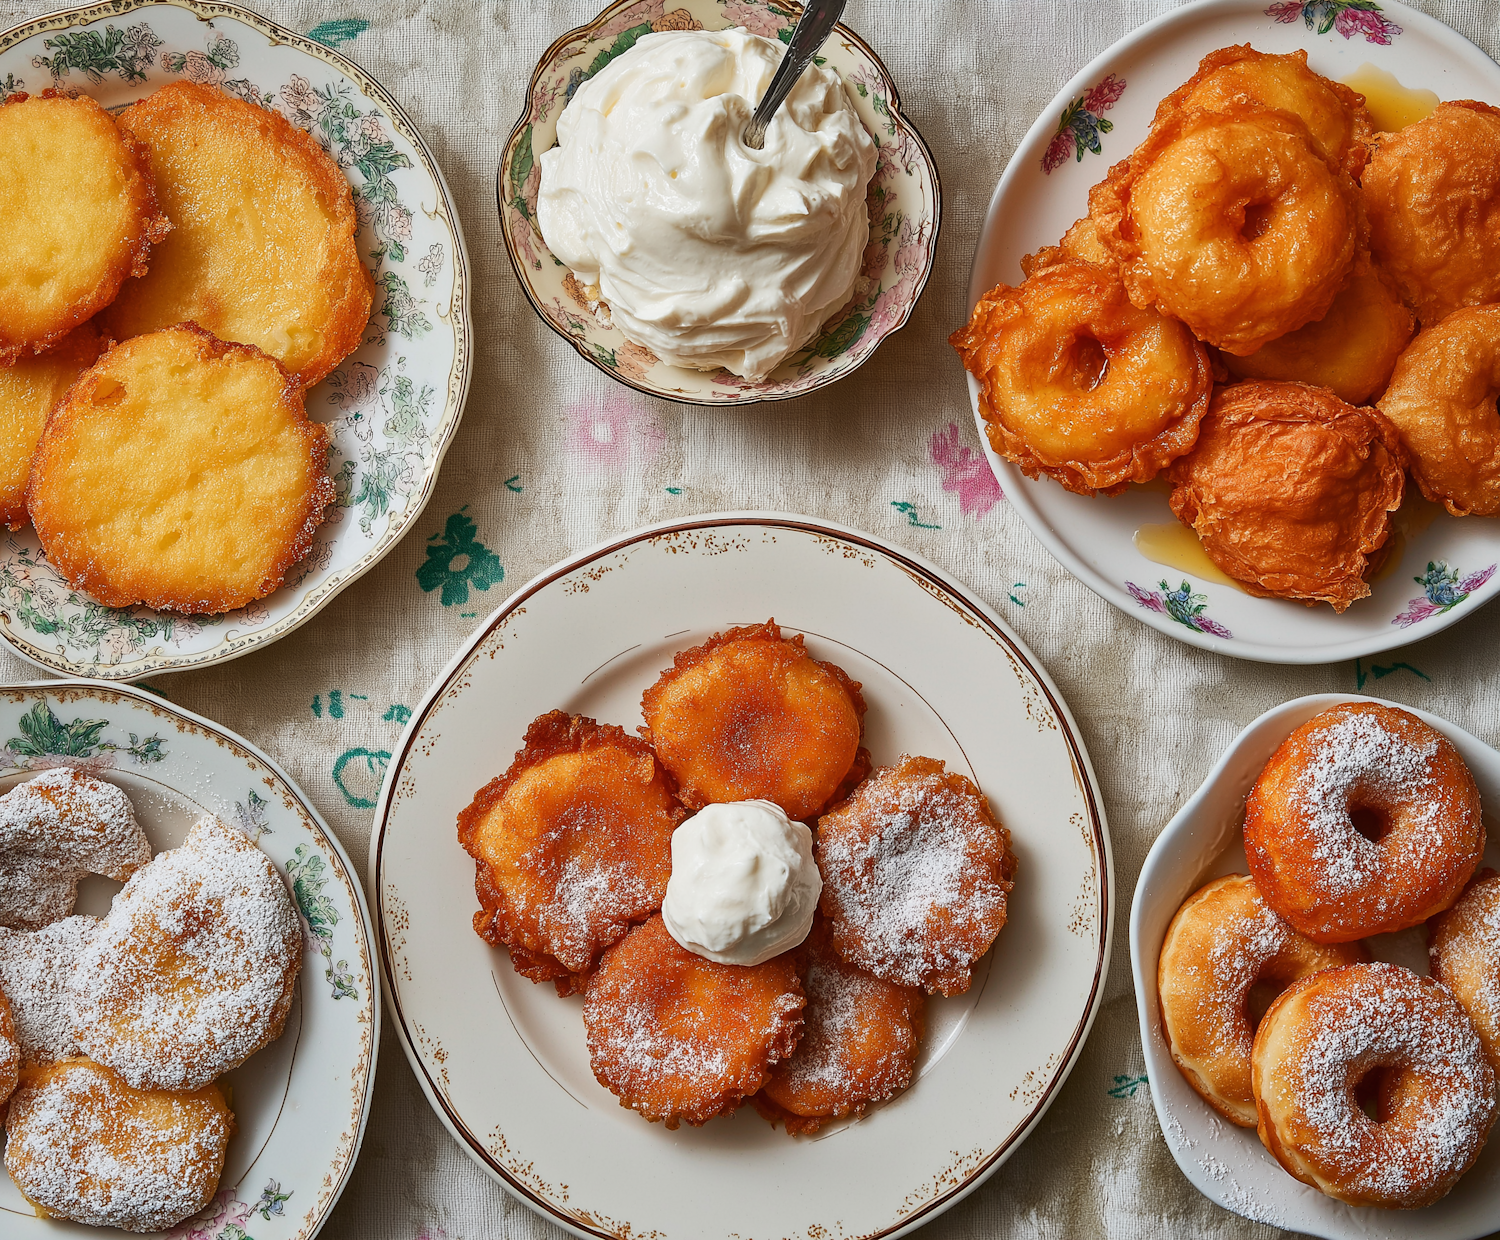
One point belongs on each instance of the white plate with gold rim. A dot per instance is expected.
(300, 1103)
(503, 1061)
(1446, 566)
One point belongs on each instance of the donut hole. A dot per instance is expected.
(1258, 999)
(1257, 219)
(1372, 1092)
(1088, 362)
(1370, 821)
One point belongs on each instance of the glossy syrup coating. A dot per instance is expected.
(1463, 948)
(750, 715)
(572, 846)
(680, 1038)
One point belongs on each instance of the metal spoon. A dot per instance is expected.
(812, 32)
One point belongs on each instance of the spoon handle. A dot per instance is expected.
(816, 24)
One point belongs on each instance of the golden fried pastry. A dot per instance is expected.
(83, 1145)
(860, 1038)
(180, 472)
(1225, 957)
(1442, 400)
(572, 846)
(28, 391)
(751, 716)
(264, 249)
(1432, 192)
(55, 828)
(678, 1037)
(1336, 117)
(1365, 821)
(1323, 1037)
(10, 1053)
(1077, 383)
(1081, 241)
(916, 870)
(34, 969)
(1231, 221)
(1291, 491)
(1463, 948)
(80, 217)
(194, 968)
(1351, 350)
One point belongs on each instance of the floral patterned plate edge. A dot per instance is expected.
(905, 203)
(391, 407)
(301, 1102)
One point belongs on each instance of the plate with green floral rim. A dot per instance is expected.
(905, 202)
(1443, 567)
(392, 406)
(300, 1103)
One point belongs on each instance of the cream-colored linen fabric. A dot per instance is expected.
(552, 456)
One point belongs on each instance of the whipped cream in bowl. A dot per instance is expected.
(744, 885)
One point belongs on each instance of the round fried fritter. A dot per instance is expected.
(180, 472)
(80, 217)
(1442, 399)
(264, 251)
(29, 389)
(1232, 222)
(1291, 491)
(1077, 383)
(1351, 350)
(84, 1145)
(572, 846)
(677, 1037)
(751, 716)
(916, 873)
(194, 968)
(1432, 192)
(10, 1052)
(34, 969)
(860, 1038)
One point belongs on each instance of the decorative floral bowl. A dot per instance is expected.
(392, 406)
(905, 202)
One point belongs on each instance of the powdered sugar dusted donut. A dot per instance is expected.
(1365, 821)
(1326, 1035)
(1463, 948)
(1226, 955)
(195, 967)
(54, 829)
(34, 970)
(10, 1051)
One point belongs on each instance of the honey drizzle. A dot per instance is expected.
(1177, 546)
(1392, 105)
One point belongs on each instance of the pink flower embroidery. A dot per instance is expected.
(755, 18)
(602, 434)
(1285, 12)
(965, 472)
(1105, 95)
(1374, 27)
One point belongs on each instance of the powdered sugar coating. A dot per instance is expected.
(1464, 951)
(916, 871)
(195, 966)
(34, 970)
(10, 1051)
(54, 829)
(87, 1147)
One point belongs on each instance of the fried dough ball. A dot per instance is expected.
(677, 1037)
(1335, 116)
(1077, 383)
(28, 391)
(34, 970)
(1432, 192)
(1442, 400)
(264, 249)
(1351, 350)
(1081, 241)
(1291, 491)
(180, 472)
(10, 1052)
(83, 1145)
(751, 716)
(80, 217)
(195, 967)
(860, 1038)
(1232, 222)
(916, 871)
(572, 846)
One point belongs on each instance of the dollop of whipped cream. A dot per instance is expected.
(744, 884)
(709, 253)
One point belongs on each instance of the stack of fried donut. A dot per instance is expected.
(573, 851)
(1238, 312)
(1366, 1080)
(114, 1032)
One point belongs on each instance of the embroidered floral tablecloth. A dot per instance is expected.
(551, 456)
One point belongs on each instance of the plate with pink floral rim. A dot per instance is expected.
(300, 1103)
(392, 406)
(1443, 567)
(503, 1061)
(905, 203)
